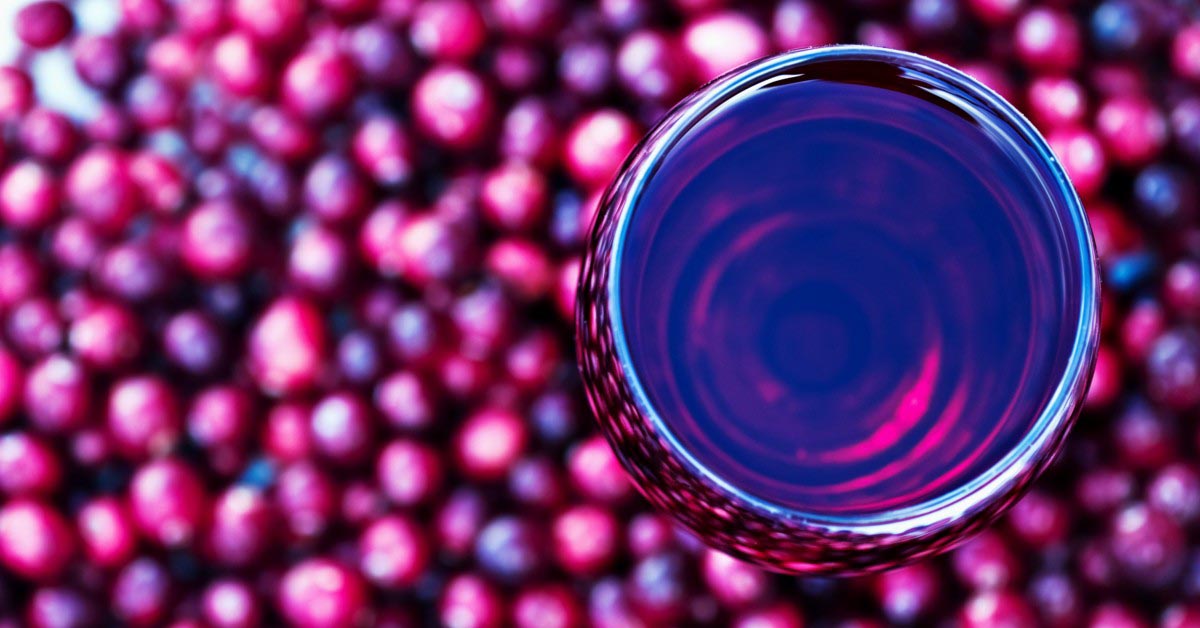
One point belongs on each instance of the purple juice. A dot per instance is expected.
(834, 292)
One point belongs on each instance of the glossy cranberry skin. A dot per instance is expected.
(469, 601)
(335, 191)
(393, 553)
(342, 427)
(59, 607)
(321, 593)
(407, 400)
(141, 593)
(307, 498)
(29, 197)
(143, 416)
(243, 527)
(992, 609)
(597, 144)
(221, 415)
(1048, 39)
(452, 107)
(510, 548)
(1082, 156)
(28, 465)
(57, 394)
(537, 19)
(169, 502)
(49, 135)
(586, 539)
(107, 336)
(160, 181)
(802, 24)
(12, 384)
(319, 262)
(192, 342)
(489, 442)
(650, 65)
(721, 41)
(1040, 520)
(459, 519)
(36, 543)
(273, 22)
(1147, 545)
(547, 606)
(985, 562)
(530, 132)
(1056, 102)
(447, 30)
(287, 347)
(1185, 52)
(318, 83)
(98, 187)
(514, 197)
(1173, 368)
(1132, 128)
(34, 327)
(107, 532)
(44, 24)
(596, 472)
(383, 149)
(16, 93)
(230, 603)
(409, 472)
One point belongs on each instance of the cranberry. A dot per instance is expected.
(106, 336)
(168, 502)
(16, 93)
(160, 181)
(1047, 39)
(44, 24)
(510, 548)
(586, 539)
(175, 58)
(546, 606)
(609, 605)
(59, 607)
(192, 341)
(1147, 544)
(658, 588)
(12, 380)
(535, 482)
(734, 583)
(29, 197)
(319, 261)
(449, 30)
(514, 197)
(483, 319)
(429, 250)
(392, 552)
(143, 416)
(1133, 130)
(1173, 368)
(802, 24)
(287, 347)
(407, 400)
(379, 54)
(307, 498)
(518, 67)
(521, 265)
(985, 562)
(36, 543)
(99, 187)
(1116, 615)
(597, 473)
(1185, 52)
(141, 593)
(721, 41)
(152, 103)
(489, 442)
(273, 22)
(342, 428)
(1106, 379)
(597, 144)
(1039, 520)
(34, 327)
(452, 106)
(908, 593)
(995, 11)
(334, 190)
(533, 19)
(58, 395)
(1082, 156)
(106, 530)
(318, 83)
(231, 603)
(383, 149)
(650, 65)
(1056, 102)
(996, 608)
(1143, 438)
(48, 134)
(469, 601)
(28, 465)
(530, 132)
(243, 527)
(459, 519)
(1057, 599)
(585, 67)
(220, 416)
(409, 472)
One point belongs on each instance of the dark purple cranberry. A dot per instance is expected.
(44, 24)
(34, 327)
(536, 482)
(1122, 27)
(802, 24)
(221, 416)
(152, 103)
(1057, 599)
(1173, 369)
(282, 134)
(100, 60)
(392, 552)
(518, 67)
(1144, 438)
(192, 341)
(530, 133)
(415, 334)
(1175, 490)
(1147, 545)
(459, 520)
(510, 548)
(1165, 194)
(1181, 288)
(36, 543)
(609, 606)
(585, 67)
(1040, 520)
(359, 357)
(1102, 490)
(141, 593)
(107, 532)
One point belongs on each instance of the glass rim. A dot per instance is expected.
(1044, 437)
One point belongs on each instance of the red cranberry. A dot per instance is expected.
(379, 53)
(273, 22)
(985, 562)
(152, 103)
(1173, 369)
(721, 41)
(993, 609)
(376, 237)
(734, 583)
(220, 416)
(307, 498)
(453, 107)
(1185, 52)
(777, 615)
(414, 334)
(489, 442)
(521, 265)
(168, 502)
(160, 181)
(1106, 380)
(193, 342)
(286, 436)
(1175, 490)
(57, 395)
(1147, 544)
(392, 552)
(1056, 102)
(28, 465)
(16, 93)
(342, 428)
(1133, 130)
(382, 148)
(532, 19)
(1180, 616)
(175, 58)
(547, 606)
(107, 336)
(12, 385)
(28, 196)
(448, 30)
(1116, 615)
(429, 249)
(530, 133)
(585, 539)
(597, 144)
(1047, 39)
(21, 274)
(1057, 599)
(133, 271)
(335, 191)
(217, 241)
(409, 472)
(230, 603)
(287, 347)
(36, 543)
(141, 593)
(406, 400)
(1082, 157)
(658, 588)
(596, 472)
(318, 83)
(995, 12)
(319, 261)
(143, 416)
(107, 532)
(469, 601)
(99, 187)
(585, 67)
(44, 24)
(1039, 520)
(243, 528)
(514, 197)
(1143, 438)
(48, 134)
(281, 134)
(319, 593)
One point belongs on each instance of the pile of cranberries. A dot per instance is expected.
(286, 320)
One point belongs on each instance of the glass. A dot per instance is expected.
(839, 309)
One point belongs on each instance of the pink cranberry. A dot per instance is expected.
(29, 197)
(192, 342)
(597, 144)
(100, 189)
(57, 395)
(1175, 490)
(379, 53)
(721, 41)
(133, 271)
(407, 400)
(230, 603)
(318, 83)
(286, 436)
(489, 442)
(143, 416)
(985, 562)
(342, 428)
(1056, 101)
(1185, 52)
(175, 58)
(12, 385)
(160, 181)
(383, 149)
(802, 24)
(995, 12)
(107, 336)
(36, 543)
(44, 24)
(243, 528)
(282, 134)
(734, 583)
(908, 593)
(469, 601)
(1048, 39)
(993, 609)
(107, 532)
(28, 465)
(448, 30)
(609, 605)
(59, 607)
(217, 241)
(550, 605)
(429, 249)
(376, 238)
(531, 19)
(1082, 156)
(1142, 325)
(586, 539)
(322, 593)
(777, 615)
(16, 93)
(530, 133)
(514, 197)
(409, 472)
(319, 261)
(1143, 438)
(287, 347)
(521, 265)
(335, 191)
(650, 65)
(100, 60)
(1039, 520)
(141, 593)
(1106, 380)
(597, 473)
(453, 107)
(1132, 128)
(21, 274)
(168, 502)
(1116, 615)
(518, 66)
(273, 22)
(1147, 545)
(48, 134)
(585, 67)
(221, 416)
(533, 360)
(307, 498)
(392, 552)
(152, 103)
